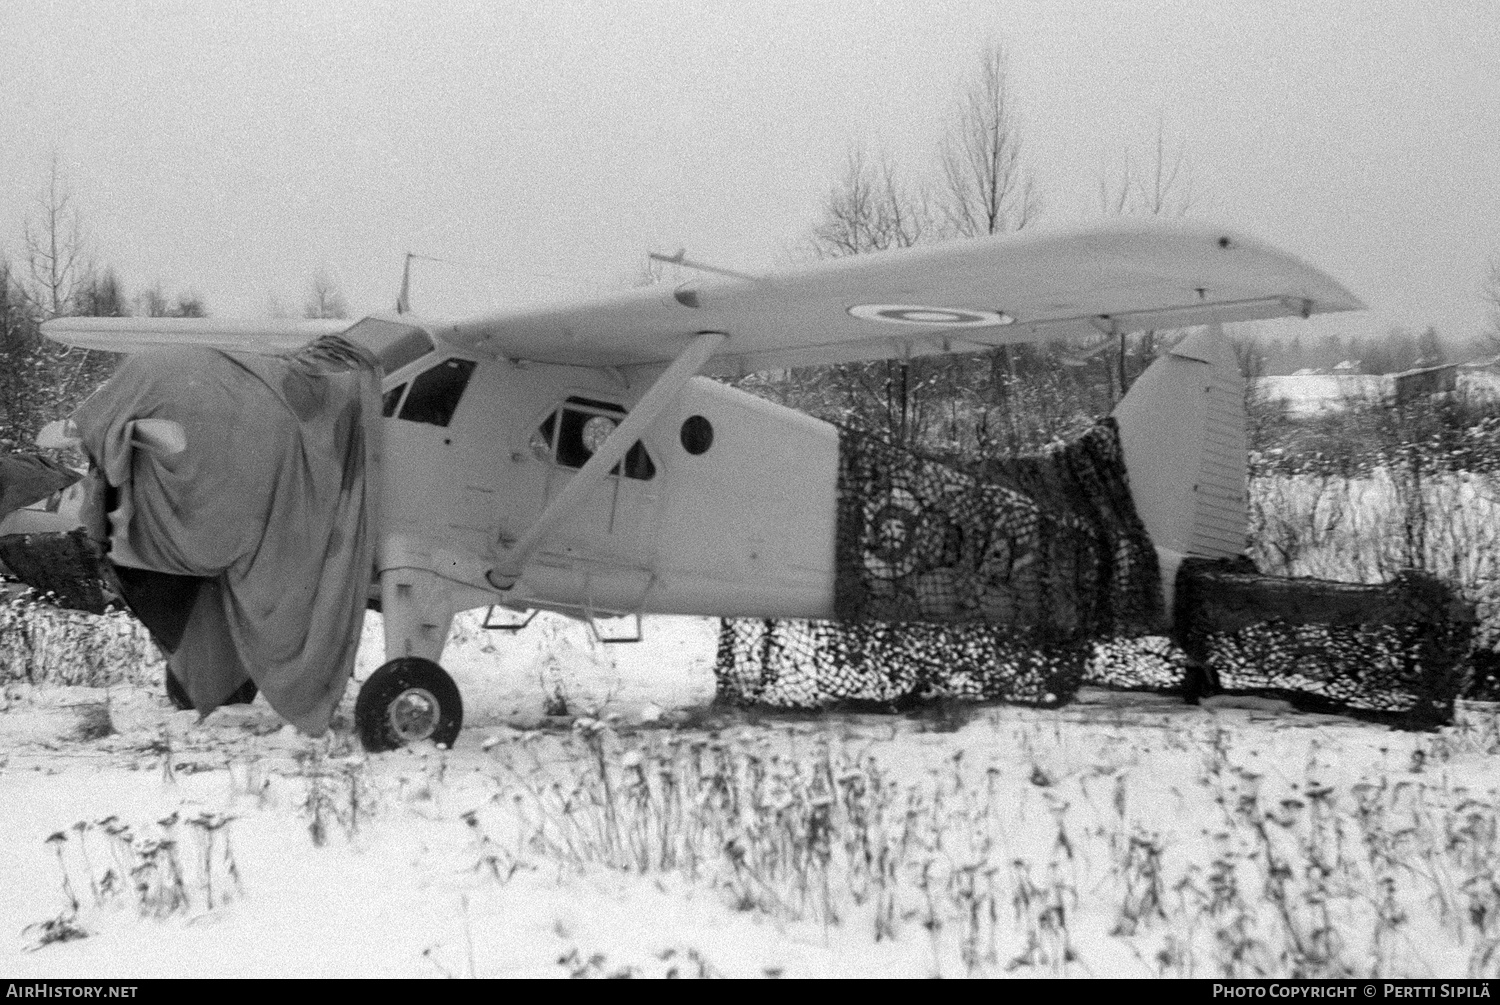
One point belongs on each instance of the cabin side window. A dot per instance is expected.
(392, 400)
(570, 435)
(435, 393)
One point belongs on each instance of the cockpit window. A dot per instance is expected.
(434, 393)
(406, 349)
(395, 345)
(571, 435)
(392, 399)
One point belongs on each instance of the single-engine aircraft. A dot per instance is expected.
(580, 459)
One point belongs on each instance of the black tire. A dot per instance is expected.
(405, 701)
(177, 694)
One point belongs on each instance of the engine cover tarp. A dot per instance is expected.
(272, 504)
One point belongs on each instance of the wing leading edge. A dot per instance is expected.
(961, 296)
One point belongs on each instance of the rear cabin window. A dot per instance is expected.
(435, 393)
(571, 435)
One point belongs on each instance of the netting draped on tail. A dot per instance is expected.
(983, 582)
(1399, 647)
(1047, 544)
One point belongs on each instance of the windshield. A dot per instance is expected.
(395, 345)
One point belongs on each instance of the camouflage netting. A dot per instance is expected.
(1024, 579)
(988, 583)
(1048, 544)
(889, 666)
(1398, 647)
(67, 568)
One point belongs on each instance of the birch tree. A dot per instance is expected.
(324, 298)
(978, 185)
(986, 187)
(56, 248)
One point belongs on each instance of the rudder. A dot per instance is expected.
(1182, 429)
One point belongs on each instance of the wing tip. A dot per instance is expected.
(133, 334)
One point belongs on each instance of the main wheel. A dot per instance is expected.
(405, 701)
(177, 694)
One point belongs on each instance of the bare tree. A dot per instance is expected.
(1162, 186)
(101, 295)
(872, 208)
(19, 363)
(55, 247)
(324, 298)
(39, 379)
(152, 302)
(188, 305)
(980, 187)
(985, 186)
(1158, 185)
(986, 189)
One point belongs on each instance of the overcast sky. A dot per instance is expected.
(232, 149)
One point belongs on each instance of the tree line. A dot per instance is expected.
(975, 182)
(1017, 399)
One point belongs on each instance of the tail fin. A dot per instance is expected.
(1182, 427)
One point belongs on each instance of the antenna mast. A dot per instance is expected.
(403, 300)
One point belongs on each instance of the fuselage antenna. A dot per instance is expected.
(680, 258)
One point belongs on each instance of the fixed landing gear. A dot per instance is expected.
(405, 701)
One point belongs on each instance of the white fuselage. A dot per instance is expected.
(742, 528)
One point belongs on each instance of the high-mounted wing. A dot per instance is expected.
(135, 334)
(962, 296)
(959, 296)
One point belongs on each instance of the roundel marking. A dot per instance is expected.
(940, 317)
(893, 525)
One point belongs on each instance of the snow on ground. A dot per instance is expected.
(1120, 835)
(555, 662)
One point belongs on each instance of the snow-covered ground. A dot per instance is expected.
(1120, 835)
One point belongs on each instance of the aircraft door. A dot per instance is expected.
(618, 522)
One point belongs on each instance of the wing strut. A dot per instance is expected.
(646, 411)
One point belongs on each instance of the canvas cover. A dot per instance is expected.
(271, 507)
(28, 478)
